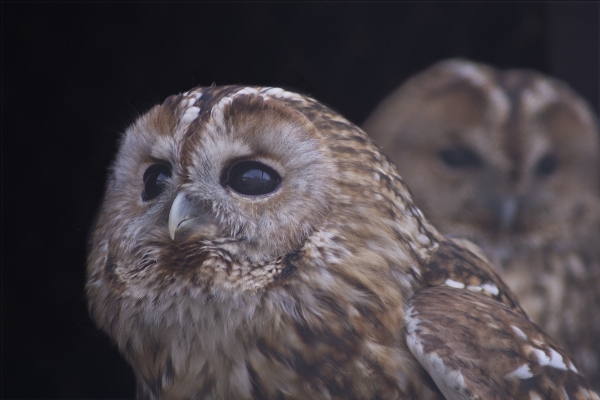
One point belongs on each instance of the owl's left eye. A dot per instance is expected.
(155, 179)
(252, 178)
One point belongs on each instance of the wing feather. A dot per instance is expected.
(475, 347)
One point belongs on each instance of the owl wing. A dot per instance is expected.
(477, 343)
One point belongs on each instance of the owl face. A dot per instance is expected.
(489, 153)
(224, 176)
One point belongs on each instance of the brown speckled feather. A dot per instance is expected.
(489, 351)
(253, 244)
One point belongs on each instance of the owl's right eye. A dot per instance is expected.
(460, 157)
(155, 179)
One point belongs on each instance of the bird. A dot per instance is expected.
(508, 159)
(254, 244)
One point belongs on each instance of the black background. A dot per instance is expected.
(74, 76)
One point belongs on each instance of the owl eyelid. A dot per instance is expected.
(156, 160)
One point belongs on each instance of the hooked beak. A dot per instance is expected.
(186, 220)
(180, 212)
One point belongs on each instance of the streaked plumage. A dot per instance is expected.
(253, 244)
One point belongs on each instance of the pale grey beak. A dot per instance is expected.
(180, 212)
(186, 220)
(508, 213)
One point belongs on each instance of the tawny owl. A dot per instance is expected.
(253, 244)
(510, 160)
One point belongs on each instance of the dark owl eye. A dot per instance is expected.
(252, 178)
(460, 157)
(155, 179)
(547, 165)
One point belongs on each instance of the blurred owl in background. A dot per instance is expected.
(509, 160)
(254, 244)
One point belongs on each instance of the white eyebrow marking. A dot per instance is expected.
(191, 113)
(280, 93)
(469, 72)
(246, 90)
(539, 96)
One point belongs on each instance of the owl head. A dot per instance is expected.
(261, 182)
(213, 192)
(493, 155)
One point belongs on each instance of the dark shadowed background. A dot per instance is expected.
(74, 76)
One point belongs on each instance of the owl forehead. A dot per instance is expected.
(238, 122)
(210, 104)
(517, 102)
(221, 112)
(201, 103)
(507, 90)
(545, 113)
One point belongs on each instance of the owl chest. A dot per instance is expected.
(283, 358)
